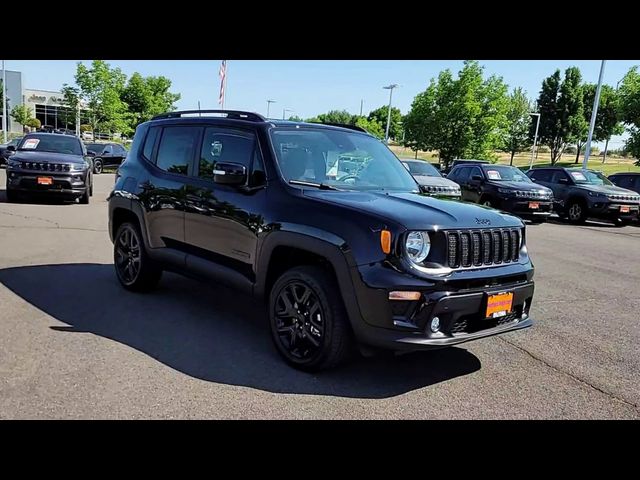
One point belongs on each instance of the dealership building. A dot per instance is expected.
(47, 106)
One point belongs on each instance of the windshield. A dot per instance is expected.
(51, 143)
(343, 160)
(15, 142)
(421, 168)
(505, 173)
(95, 147)
(589, 177)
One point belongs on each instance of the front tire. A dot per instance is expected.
(577, 212)
(84, 199)
(97, 166)
(308, 321)
(134, 269)
(487, 202)
(12, 197)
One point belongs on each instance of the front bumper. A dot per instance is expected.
(64, 184)
(612, 211)
(522, 207)
(459, 303)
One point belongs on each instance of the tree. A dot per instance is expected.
(371, 126)
(146, 97)
(99, 87)
(561, 112)
(22, 114)
(71, 104)
(608, 117)
(629, 103)
(295, 118)
(34, 123)
(516, 136)
(463, 117)
(379, 115)
(335, 116)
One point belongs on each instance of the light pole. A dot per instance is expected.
(285, 110)
(390, 88)
(535, 138)
(269, 102)
(4, 104)
(594, 113)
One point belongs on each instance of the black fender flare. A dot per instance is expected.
(327, 245)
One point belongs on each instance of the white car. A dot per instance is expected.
(87, 135)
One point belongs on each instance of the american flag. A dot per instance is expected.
(223, 77)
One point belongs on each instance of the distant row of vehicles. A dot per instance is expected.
(572, 193)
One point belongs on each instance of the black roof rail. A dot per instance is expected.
(345, 125)
(233, 114)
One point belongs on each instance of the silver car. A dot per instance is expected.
(430, 180)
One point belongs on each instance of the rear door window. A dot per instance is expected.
(177, 149)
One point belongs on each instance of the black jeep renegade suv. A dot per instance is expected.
(361, 259)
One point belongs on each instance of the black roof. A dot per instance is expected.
(625, 173)
(250, 117)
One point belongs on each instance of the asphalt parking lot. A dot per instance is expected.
(73, 344)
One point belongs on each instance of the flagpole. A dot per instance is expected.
(226, 74)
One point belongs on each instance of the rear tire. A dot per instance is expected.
(134, 269)
(308, 321)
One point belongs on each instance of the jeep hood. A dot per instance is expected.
(610, 189)
(46, 157)
(435, 181)
(416, 211)
(524, 186)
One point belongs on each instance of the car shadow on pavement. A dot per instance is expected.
(36, 200)
(213, 333)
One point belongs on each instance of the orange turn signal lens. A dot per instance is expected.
(385, 241)
(404, 295)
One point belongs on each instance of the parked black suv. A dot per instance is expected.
(106, 155)
(504, 187)
(581, 194)
(50, 164)
(362, 258)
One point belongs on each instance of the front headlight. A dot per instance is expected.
(78, 167)
(13, 163)
(417, 246)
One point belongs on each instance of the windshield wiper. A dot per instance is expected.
(321, 186)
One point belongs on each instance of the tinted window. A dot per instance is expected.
(541, 175)
(258, 175)
(557, 175)
(475, 171)
(108, 149)
(636, 185)
(150, 141)
(51, 143)
(226, 146)
(462, 174)
(120, 150)
(624, 181)
(176, 149)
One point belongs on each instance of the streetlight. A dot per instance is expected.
(269, 102)
(594, 112)
(390, 88)
(535, 138)
(285, 110)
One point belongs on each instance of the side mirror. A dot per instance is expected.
(230, 173)
(564, 181)
(476, 178)
(91, 153)
(11, 148)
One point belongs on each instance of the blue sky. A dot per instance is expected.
(310, 87)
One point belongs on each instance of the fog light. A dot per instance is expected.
(435, 324)
(524, 313)
(404, 295)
